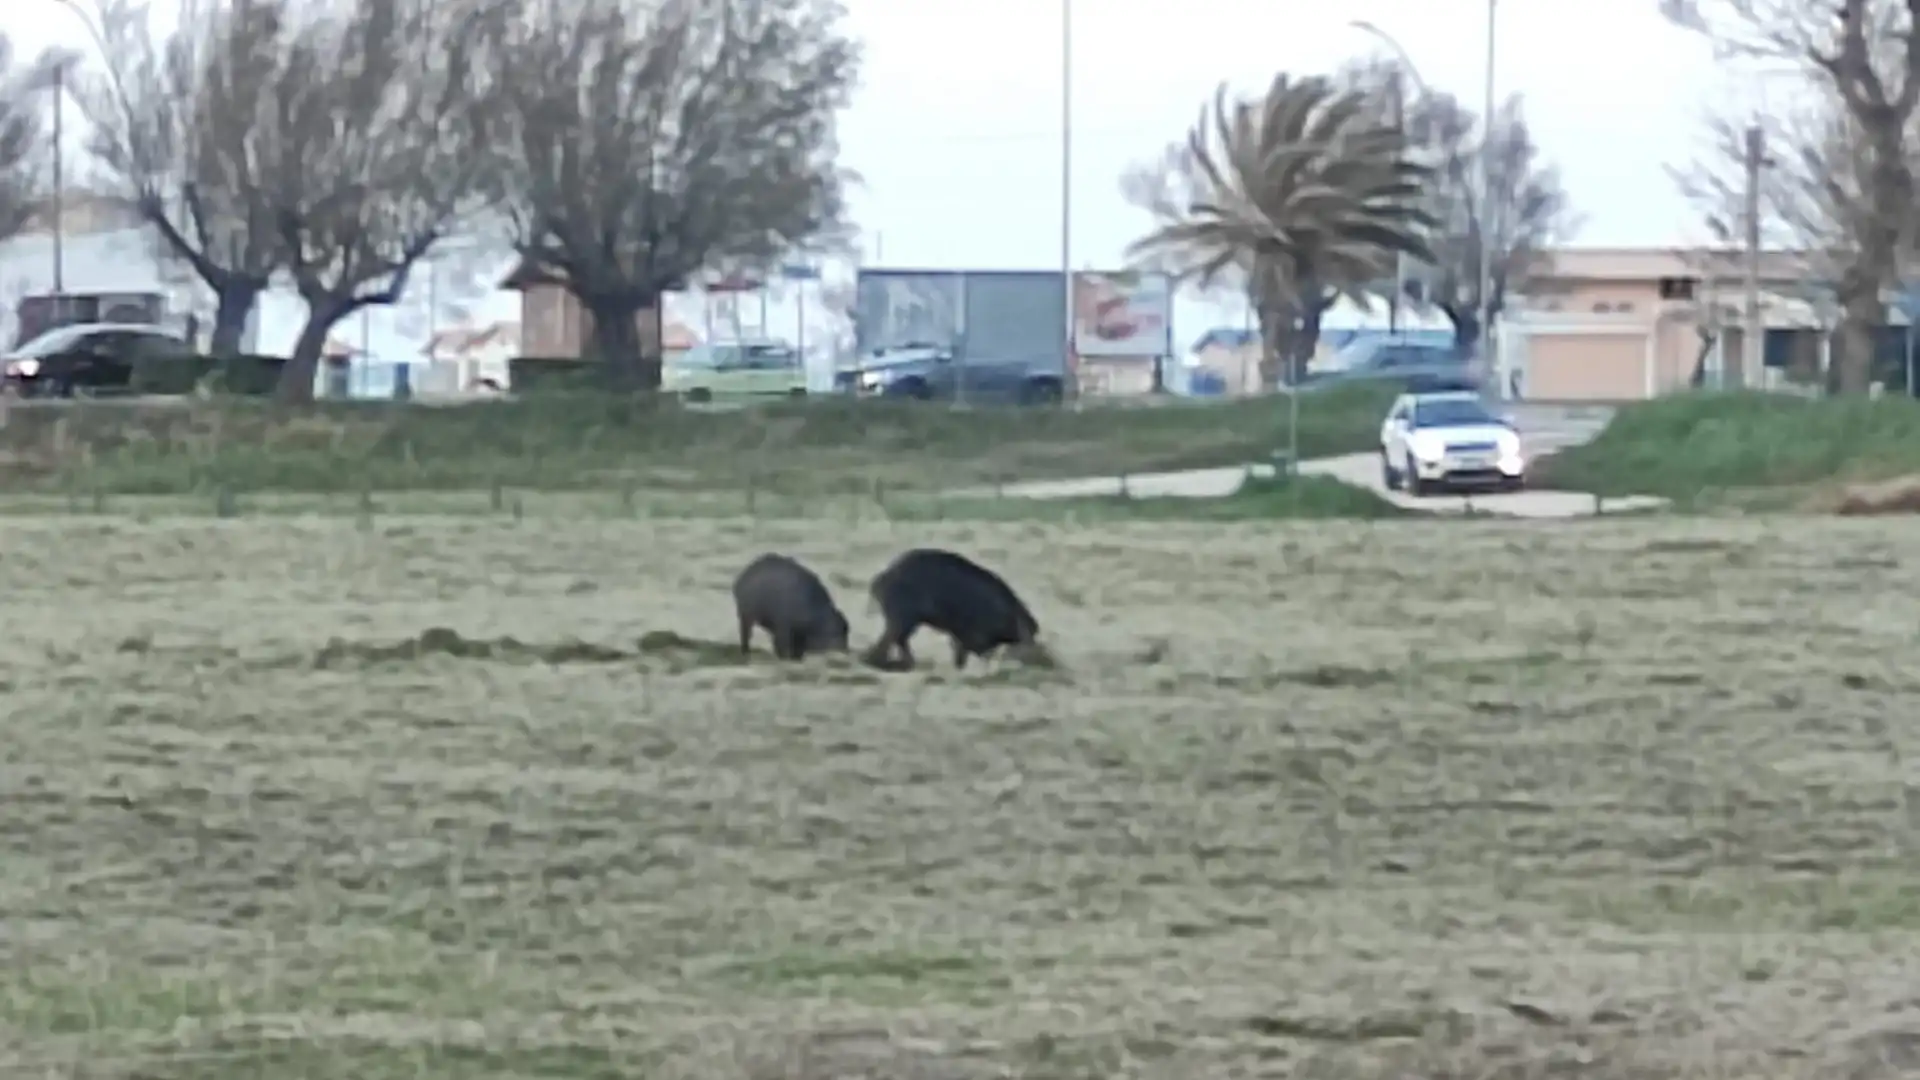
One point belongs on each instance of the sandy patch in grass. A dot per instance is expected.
(481, 798)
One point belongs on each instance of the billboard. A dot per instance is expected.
(1122, 315)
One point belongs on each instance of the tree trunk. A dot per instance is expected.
(1306, 340)
(1276, 342)
(303, 367)
(616, 343)
(1852, 367)
(234, 303)
(1466, 325)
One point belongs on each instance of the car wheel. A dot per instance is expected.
(1516, 483)
(1415, 485)
(1389, 479)
(797, 392)
(915, 389)
(700, 395)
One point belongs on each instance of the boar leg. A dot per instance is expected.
(785, 644)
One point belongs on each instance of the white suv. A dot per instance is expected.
(1448, 439)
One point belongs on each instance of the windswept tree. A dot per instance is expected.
(1527, 211)
(1854, 197)
(176, 123)
(23, 92)
(1300, 196)
(644, 143)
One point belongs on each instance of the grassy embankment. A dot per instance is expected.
(782, 458)
(1751, 449)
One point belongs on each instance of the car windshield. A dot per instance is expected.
(1451, 412)
(52, 341)
(708, 356)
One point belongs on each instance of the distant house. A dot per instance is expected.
(553, 325)
(475, 355)
(1231, 355)
(1624, 323)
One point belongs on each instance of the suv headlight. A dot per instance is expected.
(872, 380)
(26, 369)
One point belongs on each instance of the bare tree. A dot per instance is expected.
(685, 134)
(22, 91)
(177, 122)
(379, 122)
(1803, 196)
(1857, 170)
(1528, 212)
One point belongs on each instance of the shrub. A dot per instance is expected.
(548, 375)
(244, 376)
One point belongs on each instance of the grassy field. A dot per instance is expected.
(484, 798)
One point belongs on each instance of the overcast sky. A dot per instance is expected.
(957, 129)
(957, 126)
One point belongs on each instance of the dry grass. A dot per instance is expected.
(455, 797)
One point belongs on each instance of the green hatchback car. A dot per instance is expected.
(733, 370)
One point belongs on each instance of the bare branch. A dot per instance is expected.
(22, 138)
(378, 111)
(688, 135)
(178, 123)
(1528, 213)
(1840, 178)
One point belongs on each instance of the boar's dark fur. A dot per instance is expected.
(951, 593)
(791, 604)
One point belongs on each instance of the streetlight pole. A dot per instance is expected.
(1403, 67)
(1487, 238)
(58, 209)
(1066, 194)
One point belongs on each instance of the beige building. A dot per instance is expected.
(1617, 324)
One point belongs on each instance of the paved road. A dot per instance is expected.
(1543, 429)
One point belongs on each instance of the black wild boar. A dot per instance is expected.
(950, 593)
(789, 601)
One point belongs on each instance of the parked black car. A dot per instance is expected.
(89, 358)
(926, 372)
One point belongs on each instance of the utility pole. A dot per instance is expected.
(1400, 257)
(1070, 372)
(1403, 69)
(1753, 332)
(58, 209)
(1487, 231)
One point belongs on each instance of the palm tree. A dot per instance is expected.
(1301, 196)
